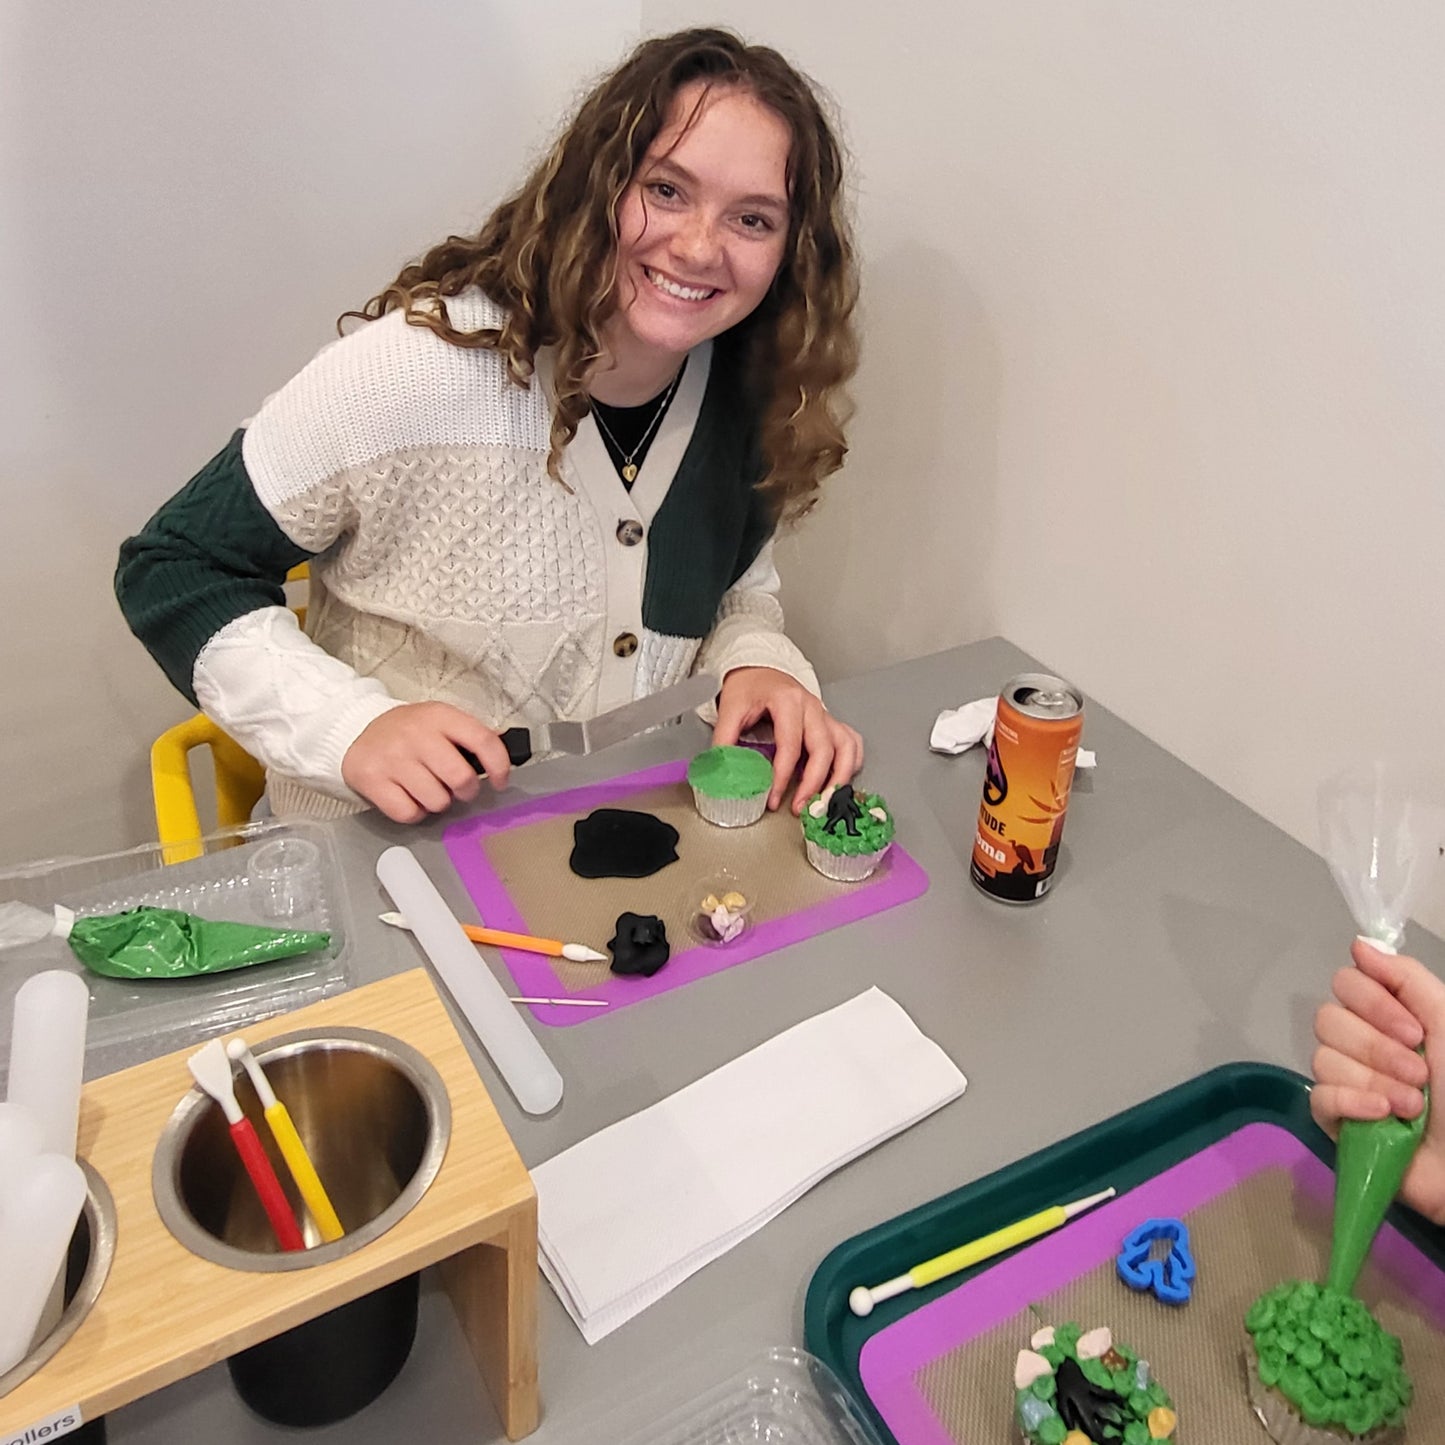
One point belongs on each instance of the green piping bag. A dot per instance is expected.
(156, 942)
(1370, 1163)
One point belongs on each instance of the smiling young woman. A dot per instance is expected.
(545, 478)
(702, 229)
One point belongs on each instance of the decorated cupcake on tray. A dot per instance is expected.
(846, 833)
(1322, 1371)
(1073, 1387)
(730, 785)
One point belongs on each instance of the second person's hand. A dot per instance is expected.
(408, 762)
(1367, 1067)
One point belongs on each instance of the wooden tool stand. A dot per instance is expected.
(165, 1312)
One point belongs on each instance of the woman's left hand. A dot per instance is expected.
(800, 724)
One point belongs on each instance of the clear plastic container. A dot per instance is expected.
(788, 1398)
(739, 897)
(134, 1020)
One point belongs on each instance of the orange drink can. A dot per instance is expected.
(1026, 787)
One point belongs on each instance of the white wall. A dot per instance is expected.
(189, 196)
(1154, 319)
(1155, 363)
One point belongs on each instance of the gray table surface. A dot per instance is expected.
(1184, 931)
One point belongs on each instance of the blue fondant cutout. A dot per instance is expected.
(1171, 1278)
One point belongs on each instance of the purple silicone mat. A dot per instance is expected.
(899, 879)
(924, 1373)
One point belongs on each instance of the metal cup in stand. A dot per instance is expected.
(374, 1117)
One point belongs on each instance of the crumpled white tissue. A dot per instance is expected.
(957, 729)
(629, 1213)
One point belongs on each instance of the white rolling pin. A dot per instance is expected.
(510, 1044)
(19, 1139)
(47, 1068)
(41, 1208)
(47, 1055)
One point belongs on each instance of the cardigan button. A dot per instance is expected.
(629, 531)
(625, 644)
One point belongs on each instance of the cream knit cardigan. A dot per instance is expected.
(450, 564)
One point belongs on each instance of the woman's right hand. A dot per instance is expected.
(407, 762)
(1367, 1067)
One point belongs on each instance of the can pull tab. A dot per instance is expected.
(1045, 701)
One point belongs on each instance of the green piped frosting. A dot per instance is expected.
(729, 772)
(1329, 1357)
(873, 833)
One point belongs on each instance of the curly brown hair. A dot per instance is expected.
(540, 254)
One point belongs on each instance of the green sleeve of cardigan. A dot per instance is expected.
(211, 554)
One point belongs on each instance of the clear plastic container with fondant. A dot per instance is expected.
(721, 904)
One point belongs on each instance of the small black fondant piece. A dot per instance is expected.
(1085, 1406)
(621, 843)
(844, 808)
(639, 945)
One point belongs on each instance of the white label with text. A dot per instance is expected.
(62, 1422)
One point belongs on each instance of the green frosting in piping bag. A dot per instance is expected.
(1317, 1345)
(1370, 1163)
(166, 943)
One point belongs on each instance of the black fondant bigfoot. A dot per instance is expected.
(1085, 1406)
(843, 808)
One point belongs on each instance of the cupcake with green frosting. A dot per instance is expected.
(730, 785)
(1322, 1370)
(846, 833)
(1074, 1385)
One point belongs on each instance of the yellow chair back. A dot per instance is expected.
(240, 779)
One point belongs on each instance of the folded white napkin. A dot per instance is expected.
(629, 1213)
(956, 729)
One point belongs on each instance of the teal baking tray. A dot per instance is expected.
(1125, 1152)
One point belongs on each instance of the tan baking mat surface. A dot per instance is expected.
(765, 862)
(1253, 1236)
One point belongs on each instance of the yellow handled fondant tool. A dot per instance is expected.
(293, 1151)
(862, 1299)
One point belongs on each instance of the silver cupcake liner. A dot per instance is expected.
(844, 867)
(731, 812)
(1287, 1427)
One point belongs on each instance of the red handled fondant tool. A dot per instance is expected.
(211, 1068)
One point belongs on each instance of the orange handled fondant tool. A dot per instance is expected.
(554, 947)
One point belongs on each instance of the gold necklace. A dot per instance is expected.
(629, 468)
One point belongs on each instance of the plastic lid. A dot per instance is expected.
(788, 1398)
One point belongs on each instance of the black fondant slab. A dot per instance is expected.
(621, 843)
